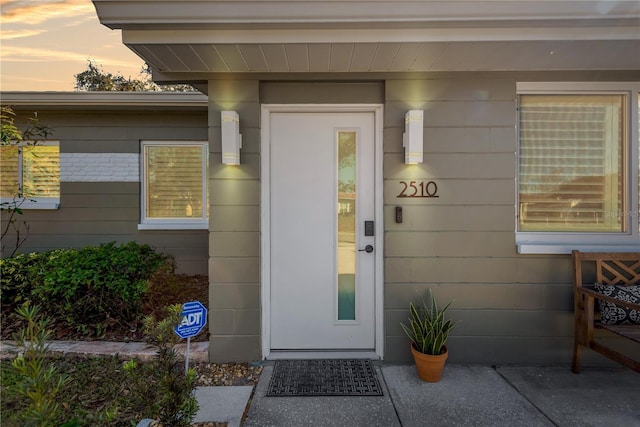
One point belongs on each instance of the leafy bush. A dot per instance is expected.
(90, 288)
(18, 276)
(39, 382)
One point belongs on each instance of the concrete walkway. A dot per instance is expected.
(466, 396)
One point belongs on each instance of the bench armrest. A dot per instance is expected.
(592, 292)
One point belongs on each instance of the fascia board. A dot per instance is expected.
(124, 13)
(407, 35)
(104, 99)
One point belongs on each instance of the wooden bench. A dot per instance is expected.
(615, 268)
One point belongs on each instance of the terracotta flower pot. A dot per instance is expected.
(429, 367)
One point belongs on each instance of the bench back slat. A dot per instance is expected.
(616, 268)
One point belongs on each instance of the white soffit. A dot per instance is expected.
(212, 36)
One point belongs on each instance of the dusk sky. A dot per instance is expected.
(45, 42)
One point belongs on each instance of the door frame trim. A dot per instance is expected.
(265, 211)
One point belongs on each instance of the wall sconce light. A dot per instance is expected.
(231, 138)
(412, 137)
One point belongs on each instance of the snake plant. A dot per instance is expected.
(428, 329)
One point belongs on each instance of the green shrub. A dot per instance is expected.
(90, 288)
(95, 286)
(18, 277)
(38, 381)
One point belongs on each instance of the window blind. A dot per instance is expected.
(174, 181)
(571, 163)
(8, 171)
(41, 171)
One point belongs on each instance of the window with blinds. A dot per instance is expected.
(41, 171)
(30, 171)
(572, 163)
(9, 180)
(175, 181)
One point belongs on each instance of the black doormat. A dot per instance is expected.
(324, 378)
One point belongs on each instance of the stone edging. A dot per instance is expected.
(198, 351)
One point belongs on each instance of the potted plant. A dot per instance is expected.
(428, 330)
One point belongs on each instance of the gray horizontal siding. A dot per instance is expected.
(62, 119)
(452, 218)
(509, 308)
(456, 140)
(483, 243)
(91, 213)
(321, 92)
(449, 191)
(477, 270)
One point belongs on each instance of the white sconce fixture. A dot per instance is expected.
(412, 137)
(231, 138)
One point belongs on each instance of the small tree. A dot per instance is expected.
(95, 79)
(11, 138)
(40, 382)
(162, 383)
(176, 87)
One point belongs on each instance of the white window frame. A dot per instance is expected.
(33, 203)
(564, 242)
(200, 223)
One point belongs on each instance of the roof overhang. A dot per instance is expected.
(201, 38)
(106, 100)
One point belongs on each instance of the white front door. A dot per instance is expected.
(321, 212)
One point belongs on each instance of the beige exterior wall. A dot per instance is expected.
(462, 244)
(96, 212)
(234, 238)
(234, 266)
(510, 308)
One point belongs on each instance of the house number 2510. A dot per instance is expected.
(418, 189)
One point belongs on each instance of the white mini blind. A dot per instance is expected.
(571, 163)
(41, 171)
(9, 183)
(30, 171)
(175, 184)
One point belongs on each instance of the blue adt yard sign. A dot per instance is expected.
(194, 317)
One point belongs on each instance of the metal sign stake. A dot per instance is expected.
(193, 318)
(186, 357)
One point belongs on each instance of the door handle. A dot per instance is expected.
(368, 249)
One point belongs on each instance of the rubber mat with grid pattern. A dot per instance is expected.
(324, 378)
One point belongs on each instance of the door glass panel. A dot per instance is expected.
(346, 225)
